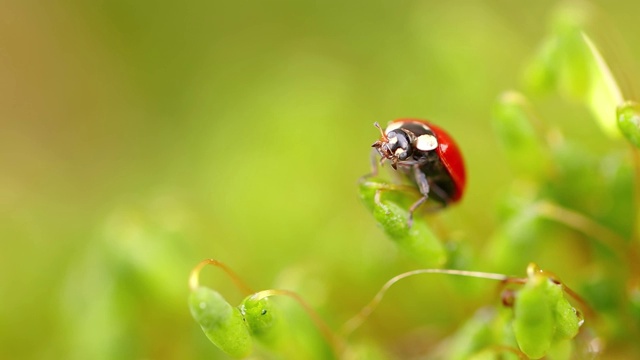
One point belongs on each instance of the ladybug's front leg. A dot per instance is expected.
(374, 166)
(375, 163)
(373, 158)
(423, 186)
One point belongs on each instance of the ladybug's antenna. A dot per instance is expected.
(384, 136)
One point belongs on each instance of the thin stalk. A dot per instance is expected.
(573, 219)
(195, 274)
(352, 324)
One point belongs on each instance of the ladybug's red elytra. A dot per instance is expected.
(427, 155)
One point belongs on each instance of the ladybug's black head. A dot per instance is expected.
(396, 145)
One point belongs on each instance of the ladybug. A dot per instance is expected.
(426, 154)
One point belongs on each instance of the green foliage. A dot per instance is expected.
(569, 62)
(262, 318)
(223, 324)
(629, 121)
(270, 327)
(555, 192)
(513, 123)
(543, 318)
(138, 136)
(389, 208)
(472, 337)
(557, 178)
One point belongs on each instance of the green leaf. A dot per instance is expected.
(222, 323)
(570, 63)
(392, 215)
(540, 75)
(543, 318)
(474, 336)
(629, 121)
(259, 314)
(533, 323)
(603, 294)
(513, 123)
(561, 350)
(514, 243)
(567, 320)
(561, 63)
(263, 320)
(604, 95)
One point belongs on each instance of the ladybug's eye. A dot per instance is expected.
(400, 144)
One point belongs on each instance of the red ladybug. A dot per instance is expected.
(426, 154)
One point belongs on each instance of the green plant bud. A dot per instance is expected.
(263, 320)
(604, 95)
(512, 122)
(392, 215)
(629, 121)
(222, 323)
(541, 74)
(534, 323)
(561, 350)
(562, 62)
(568, 320)
(570, 63)
(574, 63)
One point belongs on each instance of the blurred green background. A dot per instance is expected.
(140, 137)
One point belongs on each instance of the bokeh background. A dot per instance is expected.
(140, 137)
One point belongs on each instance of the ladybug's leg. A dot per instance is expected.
(423, 186)
(374, 162)
(374, 165)
(440, 193)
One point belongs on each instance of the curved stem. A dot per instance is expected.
(336, 343)
(585, 225)
(195, 274)
(352, 324)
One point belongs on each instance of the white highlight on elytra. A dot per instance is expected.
(426, 142)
